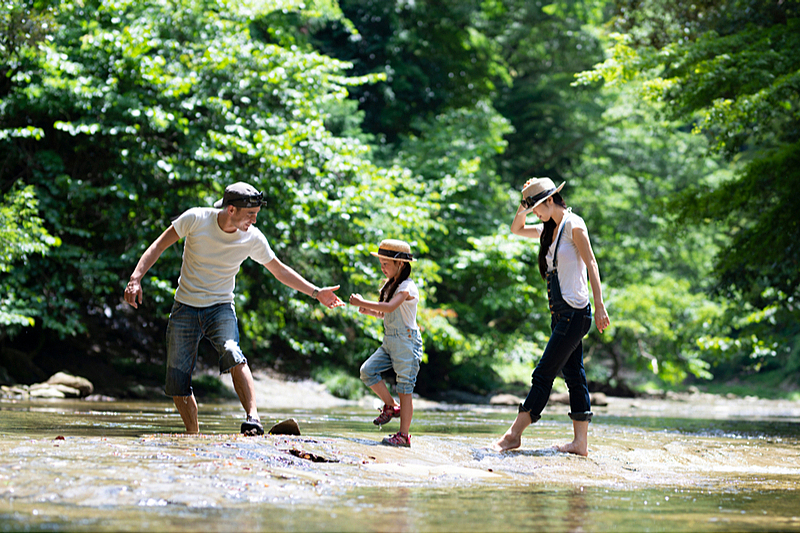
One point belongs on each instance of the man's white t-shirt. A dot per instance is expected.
(408, 309)
(572, 274)
(211, 257)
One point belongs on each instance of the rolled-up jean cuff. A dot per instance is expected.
(534, 418)
(231, 360)
(371, 381)
(581, 416)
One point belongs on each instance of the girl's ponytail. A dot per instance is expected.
(391, 284)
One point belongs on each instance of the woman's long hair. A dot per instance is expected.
(390, 284)
(546, 239)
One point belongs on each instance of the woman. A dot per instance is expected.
(565, 259)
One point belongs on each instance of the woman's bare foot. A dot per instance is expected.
(507, 442)
(513, 436)
(580, 443)
(581, 449)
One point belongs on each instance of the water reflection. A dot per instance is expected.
(64, 465)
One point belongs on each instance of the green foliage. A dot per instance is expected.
(137, 111)
(418, 121)
(542, 45)
(730, 68)
(210, 386)
(658, 321)
(760, 209)
(22, 235)
(340, 383)
(430, 51)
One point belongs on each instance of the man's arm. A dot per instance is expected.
(289, 277)
(133, 291)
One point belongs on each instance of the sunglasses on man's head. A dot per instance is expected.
(248, 201)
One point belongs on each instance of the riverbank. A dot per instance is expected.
(275, 393)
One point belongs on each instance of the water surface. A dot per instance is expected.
(654, 467)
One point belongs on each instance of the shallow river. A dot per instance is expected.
(654, 466)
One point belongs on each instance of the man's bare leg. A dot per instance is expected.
(513, 437)
(382, 391)
(245, 389)
(580, 444)
(187, 407)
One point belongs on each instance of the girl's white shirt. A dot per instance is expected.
(408, 309)
(572, 274)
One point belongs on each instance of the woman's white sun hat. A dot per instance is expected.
(537, 190)
(394, 249)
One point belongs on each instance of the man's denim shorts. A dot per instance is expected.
(187, 326)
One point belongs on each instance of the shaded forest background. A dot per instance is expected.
(676, 128)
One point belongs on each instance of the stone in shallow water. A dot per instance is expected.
(287, 427)
(42, 391)
(505, 399)
(77, 382)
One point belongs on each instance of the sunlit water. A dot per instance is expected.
(653, 467)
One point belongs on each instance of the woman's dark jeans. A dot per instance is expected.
(564, 352)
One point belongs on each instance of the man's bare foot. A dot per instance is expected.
(581, 449)
(507, 442)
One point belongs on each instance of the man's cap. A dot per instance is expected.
(241, 195)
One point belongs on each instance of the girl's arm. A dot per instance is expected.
(380, 307)
(581, 239)
(519, 227)
(367, 311)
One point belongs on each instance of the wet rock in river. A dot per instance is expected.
(14, 391)
(598, 398)
(505, 399)
(83, 385)
(59, 386)
(53, 391)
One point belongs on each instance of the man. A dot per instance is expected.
(218, 240)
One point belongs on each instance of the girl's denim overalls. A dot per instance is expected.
(564, 352)
(401, 350)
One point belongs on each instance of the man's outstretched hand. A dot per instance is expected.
(327, 297)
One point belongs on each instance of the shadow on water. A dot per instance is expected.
(125, 467)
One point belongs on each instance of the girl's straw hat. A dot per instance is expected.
(537, 190)
(394, 249)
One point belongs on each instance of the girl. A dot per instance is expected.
(565, 253)
(402, 344)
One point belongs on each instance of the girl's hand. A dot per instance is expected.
(356, 300)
